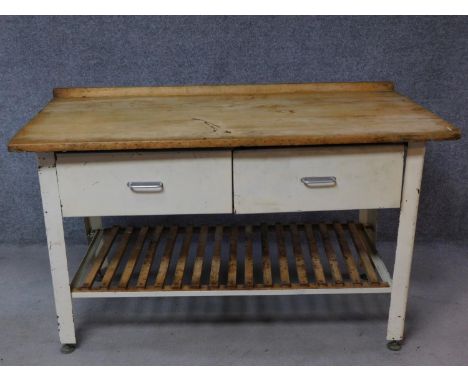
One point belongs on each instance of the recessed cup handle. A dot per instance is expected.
(319, 181)
(146, 186)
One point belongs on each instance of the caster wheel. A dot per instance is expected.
(67, 348)
(394, 345)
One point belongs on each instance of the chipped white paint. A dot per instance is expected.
(367, 177)
(56, 246)
(405, 243)
(95, 184)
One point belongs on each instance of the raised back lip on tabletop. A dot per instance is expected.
(231, 89)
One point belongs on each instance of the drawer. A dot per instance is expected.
(271, 180)
(193, 182)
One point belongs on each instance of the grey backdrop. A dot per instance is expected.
(426, 57)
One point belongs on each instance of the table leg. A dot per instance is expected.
(57, 252)
(92, 223)
(368, 218)
(405, 243)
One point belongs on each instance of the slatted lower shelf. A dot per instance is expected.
(238, 260)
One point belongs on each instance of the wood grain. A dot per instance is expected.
(216, 260)
(282, 256)
(232, 267)
(347, 255)
(181, 262)
(300, 263)
(109, 237)
(363, 254)
(314, 255)
(228, 116)
(114, 264)
(331, 255)
(132, 260)
(223, 253)
(204, 90)
(148, 261)
(166, 259)
(198, 265)
(266, 262)
(248, 264)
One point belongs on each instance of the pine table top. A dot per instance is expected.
(228, 116)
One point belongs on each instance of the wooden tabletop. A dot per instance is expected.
(85, 119)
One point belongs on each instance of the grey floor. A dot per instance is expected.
(298, 330)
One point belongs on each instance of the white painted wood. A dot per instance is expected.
(229, 292)
(368, 218)
(92, 223)
(381, 269)
(195, 182)
(368, 177)
(56, 246)
(405, 242)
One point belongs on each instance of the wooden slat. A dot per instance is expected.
(109, 237)
(346, 252)
(330, 252)
(132, 260)
(148, 261)
(363, 254)
(365, 233)
(297, 250)
(198, 265)
(232, 267)
(314, 254)
(216, 260)
(266, 262)
(154, 237)
(283, 260)
(115, 262)
(164, 265)
(94, 245)
(181, 262)
(248, 264)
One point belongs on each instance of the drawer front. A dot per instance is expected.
(366, 177)
(193, 182)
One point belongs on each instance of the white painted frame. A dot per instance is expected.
(398, 287)
(230, 292)
(56, 245)
(405, 243)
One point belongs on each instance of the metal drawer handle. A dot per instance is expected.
(319, 181)
(145, 186)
